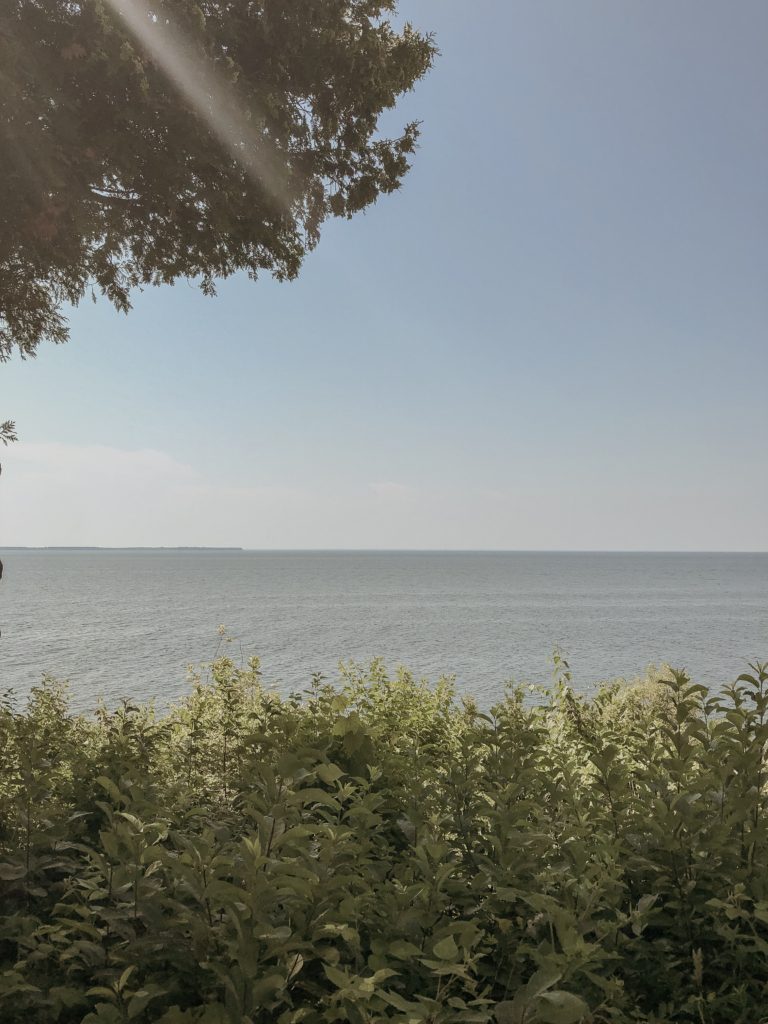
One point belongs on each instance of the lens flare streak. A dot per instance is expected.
(212, 97)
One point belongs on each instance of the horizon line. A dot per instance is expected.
(392, 550)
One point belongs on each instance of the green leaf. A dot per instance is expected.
(267, 986)
(543, 979)
(111, 844)
(559, 1007)
(329, 773)
(646, 902)
(139, 1000)
(125, 976)
(102, 990)
(108, 785)
(382, 975)
(400, 1003)
(316, 796)
(403, 950)
(295, 964)
(446, 949)
(339, 978)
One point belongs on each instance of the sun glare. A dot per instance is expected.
(207, 91)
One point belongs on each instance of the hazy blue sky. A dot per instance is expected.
(554, 336)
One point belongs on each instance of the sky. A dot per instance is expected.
(552, 337)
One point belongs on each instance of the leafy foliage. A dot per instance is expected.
(146, 140)
(7, 436)
(378, 851)
(8, 432)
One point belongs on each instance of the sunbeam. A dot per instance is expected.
(212, 97)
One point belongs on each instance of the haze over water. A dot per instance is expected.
(127, 623)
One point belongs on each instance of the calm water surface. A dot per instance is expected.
(127, 623)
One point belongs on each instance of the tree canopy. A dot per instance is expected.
(141, 142)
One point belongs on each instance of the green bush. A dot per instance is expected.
(380, 851)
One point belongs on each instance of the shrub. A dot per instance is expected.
(380, 851)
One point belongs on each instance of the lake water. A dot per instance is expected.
(127, 623)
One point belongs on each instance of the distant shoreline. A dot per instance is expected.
(87, 547)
